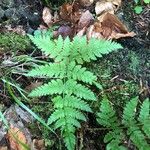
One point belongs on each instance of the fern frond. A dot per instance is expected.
(86, 51)
(77, 72)
(61, 113)
(44, 43)
(144, 117)
(129, 112)
(71, 101)
(57, 70)
(107, 116)
(69, 139)
(53, 87)
(139, 140)
(145, 111)
(72, 87)
(67, 69)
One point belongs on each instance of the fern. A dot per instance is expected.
(69, 79)
(130, 125)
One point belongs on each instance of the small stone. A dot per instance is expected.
(1, 13)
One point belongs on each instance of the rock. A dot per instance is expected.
(1, 13)
(16, 118)
(21, 12)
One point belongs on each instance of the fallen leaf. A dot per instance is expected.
(38, 144)
(94, 31)
(108, 27)
(66, 11)
(86, 3)
(15, 135)
(65, 31)
(103, 6)
(110, 6)
(70, 12)
(47, 16)
(85, 20)
(81, 32)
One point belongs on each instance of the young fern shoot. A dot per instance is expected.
(68, 79)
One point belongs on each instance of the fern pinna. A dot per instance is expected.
(68, 79)
(135, 127)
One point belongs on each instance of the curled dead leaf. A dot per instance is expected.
(70, 12)
(85, 20)
(110, 6)
(47, 16)
(103, 6)
(109, 27)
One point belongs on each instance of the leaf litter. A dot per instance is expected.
(77, 18)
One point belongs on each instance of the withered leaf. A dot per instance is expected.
(109, 27)
(14, 136)
(85, 20)
(86, 3)
(47, 16)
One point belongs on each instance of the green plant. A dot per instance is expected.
(13, 42)
(69, 80)
(139, 8)
(134, 124)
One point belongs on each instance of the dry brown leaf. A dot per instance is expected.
(86, 3)
(14, 135)
(85, 20)
(47, 16)
(70, 12)
(103, 6)
(115, 35)
(94, 31)
(81, 32)
(110, 6)
(109, 27)
(38, 144)
(65, 31)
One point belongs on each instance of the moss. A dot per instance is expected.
(13, 42)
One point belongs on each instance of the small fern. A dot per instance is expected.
(136, 128)
(66, 75)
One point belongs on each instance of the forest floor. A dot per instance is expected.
(123, 75)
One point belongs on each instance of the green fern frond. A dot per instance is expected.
(130, 123)
(53, 87)
(69, 139)
(144, 117)
(86, 51)
(130, 111)
(107, 116)
(77, 72)
(44, 43)
(56, 70)
(72, 87)
(145, 111)
(71, 101)
(139, 140)
(69, 81)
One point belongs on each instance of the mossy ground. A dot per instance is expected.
(13, 42)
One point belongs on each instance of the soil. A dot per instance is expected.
(121, 66)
